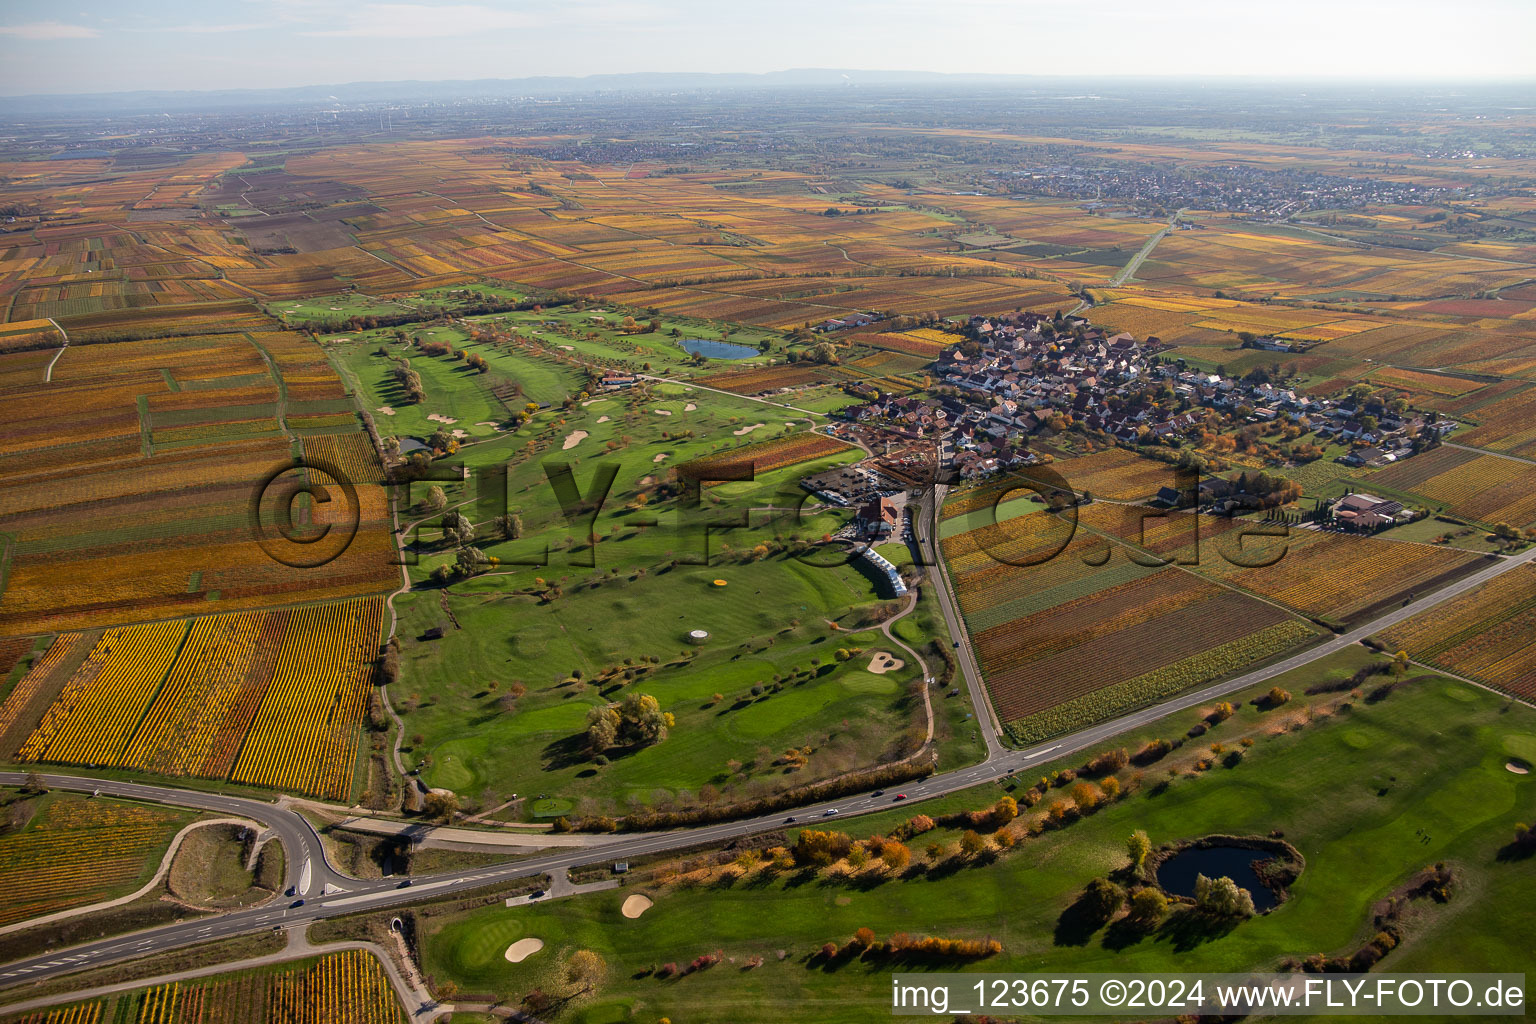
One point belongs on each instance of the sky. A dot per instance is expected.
(75, 46)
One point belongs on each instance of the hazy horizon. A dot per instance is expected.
(98, 47)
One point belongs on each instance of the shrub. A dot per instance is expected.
(1277, 696)
(1102, 898)
(1151, 751)
(1222, 897)
(1148, 906)
(1108, 762)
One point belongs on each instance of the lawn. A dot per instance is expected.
(767, 626)
(1368, 797)
(555, 606)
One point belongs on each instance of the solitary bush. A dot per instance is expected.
(1102, 898)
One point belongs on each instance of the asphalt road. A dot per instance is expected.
(303, 852)
(926, 525)
(381, 894)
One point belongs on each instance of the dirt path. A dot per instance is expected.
(48, 370)
(917, 659)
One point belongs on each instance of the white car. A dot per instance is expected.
(829, 812)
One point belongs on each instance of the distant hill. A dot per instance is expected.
(494, 88)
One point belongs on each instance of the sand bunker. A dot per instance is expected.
(882, 663)
(663, 455)
(602, 419)
(440, 418)
(522, 949)
(689, 407)
(748, 430)
(486, 423)
(573, 439)
(1518, 767)
(634, 906)
(386, 410)
(663, 412)
(460, 433)
(569, 348)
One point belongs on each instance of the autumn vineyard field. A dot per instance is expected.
(264, 698)
(1070, 628)
(76, 851)
(788, 450)
(1484, 635)
(343, 988)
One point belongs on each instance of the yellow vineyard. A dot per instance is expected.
(266, 698)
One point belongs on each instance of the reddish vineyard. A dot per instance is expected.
(911, 344)
(1118, 634)
(767, 455)
(756, 380)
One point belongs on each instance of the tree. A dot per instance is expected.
(1148, 906)
(642, 718)
(439, 440)
(1102, 898)
(934, 852)
(1004, 811)
(602, 729)
(458, 528)
(436, 499)
(1138, 846)
(972, 843)
(1222, 897)
(440, 805)
(585, 971)
(34, 784)
(896, 856)
(470, 560)
(510, 524)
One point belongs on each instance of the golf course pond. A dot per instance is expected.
(717, 349)
(1177, 874)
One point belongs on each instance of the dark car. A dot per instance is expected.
(789, 820)
(536, 894)
(296, 903)
(878, 792)
(404, 885)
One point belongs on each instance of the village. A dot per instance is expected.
(1018, 387)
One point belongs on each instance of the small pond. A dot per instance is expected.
(717, 349)
(1177, 873)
